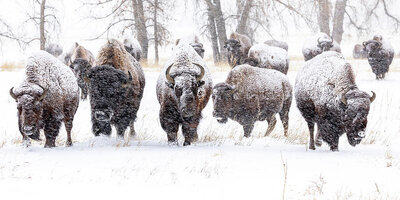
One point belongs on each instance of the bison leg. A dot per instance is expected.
(271, 125)
(121, 131)
(318, 139)
(189, 130)
(68, 128)
(51, 129)
(26, 141)
(132, 128)
(248, 128)
(311, 129)
(169, 124)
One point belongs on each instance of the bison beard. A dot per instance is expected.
(111, 99)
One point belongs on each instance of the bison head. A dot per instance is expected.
(222, 97)
(30, 108)
(198, 47)
(81, 67)
(355, 116)
(325, 45)
(372, 47)
(252, 61)
(185, 88)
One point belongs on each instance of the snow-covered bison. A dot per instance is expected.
(326, 94)
(133, 47)
(183, 90)
(380, 55)
(317, 44)
(81, 62)
(359, 52)
(54, 49)
(116, 86)
(194, 42)
(65, 57)
(238, 48)
(252, 94)
(265, 56)
(276, 43)
(48, 96)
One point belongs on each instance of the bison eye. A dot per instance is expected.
(178, 92)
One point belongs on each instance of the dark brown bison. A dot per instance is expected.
(317, 44)
(81, 62)
(48, 96)
(326, 94)
(358, 52)
(276, 43)
(246, 101)
(133, 47)
(183, 90)
(380, 55)
(265, 56)
(116, 85)
(238, 48)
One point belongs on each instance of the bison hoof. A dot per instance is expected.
(49, 145)
(318, 142)
(26, 143)
(312, 147)
(334, 149)
(68, 143)
(186, 143)
(173, 143)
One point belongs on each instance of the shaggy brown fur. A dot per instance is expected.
(238, 46)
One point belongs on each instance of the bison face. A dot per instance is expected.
(372, 47)
(30, 110)
(80, 67)
(198, 47)
(222, 97)
(233, 46)
(252, 61)
(356, 113)
(185, 87)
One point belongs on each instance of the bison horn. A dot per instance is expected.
(201, 73)
(12, 93)
(168, 76)
(380, 44)
(343, 99)
(371, 99)
(129, 80)
(331, 40)
(319, 42)
(364, 44)
(43, 94)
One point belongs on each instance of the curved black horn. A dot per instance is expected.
(364, 44)
(343, 99)
(371, 99)
(319, 42)
(168, 76)
(12, 93)
(201, 72)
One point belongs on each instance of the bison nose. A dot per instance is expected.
(189, 99)
(28, 130)
(361, 134)
(102, 116)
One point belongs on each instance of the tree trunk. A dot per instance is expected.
(42, 20)
(155, 32)
(340, 9)
(242, 25)
(324, 16)
(140, 25)
(219, 17)
(214, 37)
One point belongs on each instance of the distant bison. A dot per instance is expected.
(380, 55)
(317, 44)
(359, 52)
(116, 86)
(194, 42)
(133, 47)
(65, 57)
(276, 43)
(252, 94)
(81, 62)
(54, 49)
(48, 96)
(238, 48)
(326, 94)
(183, 90)
(264, 56)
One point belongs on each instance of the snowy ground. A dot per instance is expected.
(222, 165)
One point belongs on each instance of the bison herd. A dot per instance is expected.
(256, 88)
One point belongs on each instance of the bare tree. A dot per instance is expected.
(140, 25)
(324, 16)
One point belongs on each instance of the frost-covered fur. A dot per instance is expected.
(185, 94)
(317, 44)
(54, 49)
(48, 96)
(194, 42)
(81, 62)
(380, 55)
(265, 56)
(133, 47)
(116, 89)
(276, 43)
(238, 46)
(359, 52)
(326, 94)
(252, 94)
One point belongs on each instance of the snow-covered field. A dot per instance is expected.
(221, 165)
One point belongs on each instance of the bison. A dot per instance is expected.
(264, 56)
(238, 48)
(380, 55)
(65, 57)
(358, 52)
(81, 62)
(183, 90)
(246, 101)
(116, 86)
(327, 95)
(48, 96)
(276, 43)
(133, 47)
(317, 44)
(194, 42)
(54, 49)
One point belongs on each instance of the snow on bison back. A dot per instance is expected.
(326, 94)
